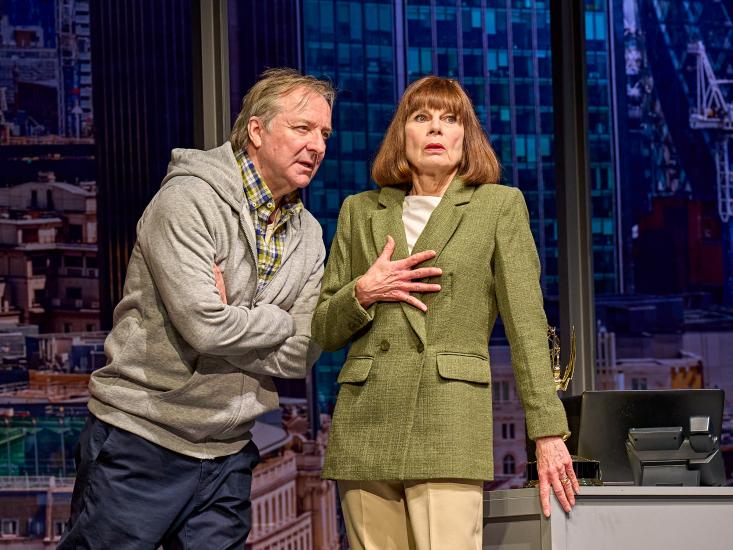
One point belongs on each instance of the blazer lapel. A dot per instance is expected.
(438, 231)
(444, 220)
(388, 221)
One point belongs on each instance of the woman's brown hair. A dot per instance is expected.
(479, 163)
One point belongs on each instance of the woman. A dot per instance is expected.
(417, 273)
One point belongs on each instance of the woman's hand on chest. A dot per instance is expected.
(393, 281)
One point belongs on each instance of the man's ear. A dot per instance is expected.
(255, 128)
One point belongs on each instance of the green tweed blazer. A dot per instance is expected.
(415, 390)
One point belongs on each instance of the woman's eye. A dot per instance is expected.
(451, 119)
(421, 118)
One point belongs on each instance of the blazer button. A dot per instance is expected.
(420, 347)
(384, 346)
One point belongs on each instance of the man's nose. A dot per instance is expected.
(317, 145)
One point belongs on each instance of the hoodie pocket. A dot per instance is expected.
(204, 404)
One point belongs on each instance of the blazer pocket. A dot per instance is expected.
(355, 370)
(469, 368)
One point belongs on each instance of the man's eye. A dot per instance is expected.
(326, 135)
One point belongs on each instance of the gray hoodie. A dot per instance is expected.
(185, 370)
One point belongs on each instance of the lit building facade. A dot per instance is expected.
(33, 511)
(48, 254)
(292, 507)
(40, 422)
(45, 72)
(510, 453)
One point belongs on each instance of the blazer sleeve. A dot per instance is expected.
(519, 296)
(339, 315)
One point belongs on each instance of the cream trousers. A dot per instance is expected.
(413, 515)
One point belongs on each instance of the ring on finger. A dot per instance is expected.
(565, 480)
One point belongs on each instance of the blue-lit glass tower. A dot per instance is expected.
(500, 51)
(603, 37)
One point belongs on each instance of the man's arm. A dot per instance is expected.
(179, 251)
(296, 355)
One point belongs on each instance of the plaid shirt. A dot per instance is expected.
(270, 246)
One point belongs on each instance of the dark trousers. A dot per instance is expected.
(133, 494)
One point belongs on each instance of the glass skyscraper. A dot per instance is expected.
(601, 26)
(500, 52)
(355, 44)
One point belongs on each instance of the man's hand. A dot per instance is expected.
(219, 279)
(388, 281)
(555, 468)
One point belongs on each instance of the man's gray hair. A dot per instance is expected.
(262, 99)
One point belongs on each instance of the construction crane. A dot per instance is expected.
(712, 112)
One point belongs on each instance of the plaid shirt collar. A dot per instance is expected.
(260, 198)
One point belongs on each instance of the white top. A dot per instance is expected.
(416, 211)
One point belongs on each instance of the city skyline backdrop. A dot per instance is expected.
(93, 95)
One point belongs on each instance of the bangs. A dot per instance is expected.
(440, 95)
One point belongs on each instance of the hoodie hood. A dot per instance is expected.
(218, 167)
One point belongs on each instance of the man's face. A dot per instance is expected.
(289, 150)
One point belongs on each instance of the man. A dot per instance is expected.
(220, 289)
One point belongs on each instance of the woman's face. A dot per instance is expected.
(433, 141)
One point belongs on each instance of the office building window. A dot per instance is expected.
(9, 527)
(58, 528)
(73, 293)
(39, 265)
(501, 390)
(509, 465)
(73, 261)
(507, 430)
(638, 384)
